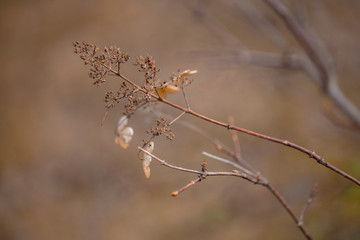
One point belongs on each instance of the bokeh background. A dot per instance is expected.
(63, 177)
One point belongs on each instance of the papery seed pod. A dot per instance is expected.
(150, 147)
(147, 159)
(125, 137)
(146, 166)
(186, 73)
(123, 121)
(123, 134)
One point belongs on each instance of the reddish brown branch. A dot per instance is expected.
(308, 202)
(310, 153)
(289, 210)
(258, 180)
(175, 193)
(205, 173)
(235, 139)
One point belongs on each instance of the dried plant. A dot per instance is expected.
(150, 91)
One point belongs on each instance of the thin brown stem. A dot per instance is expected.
(175, 193)
(235, 139)
(175, 119)
(308, 202)
(242, 169)
(204, 173)
(287, 143)
(288, 209)
(258, 180)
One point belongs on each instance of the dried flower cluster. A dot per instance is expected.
(107, 63)
(101, 63)
(162, 127)
(147, 66)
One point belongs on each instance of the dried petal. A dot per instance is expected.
(123, 121)
(186, 73)
(150, 147)
(146, 166)
(171, 89)
(161, 92)
(147, 159)
(147, 172)
(168, 89)
(124, 138)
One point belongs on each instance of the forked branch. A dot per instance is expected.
(235, 173)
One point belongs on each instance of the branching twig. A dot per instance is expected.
(288, 209)
(149, 92)
(308, 202)
(205, 174)
(175, 193)
(230, 163)
(235, 139)
(320, 59)
(200, 177)
(308, 152)
(258, 180)
(317, 63)
(177, 118)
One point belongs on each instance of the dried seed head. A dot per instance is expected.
(101, 63)
(162, 127)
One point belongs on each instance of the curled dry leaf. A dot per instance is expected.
(163, 91)
(147, 159)
(186, 73)
(123, 134)
(172, 87)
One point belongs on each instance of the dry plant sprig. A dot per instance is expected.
(287, 143)
(206, 173)
(197, 180)
(246, 169)
(107, 63)
(307, 204)
(148, 96)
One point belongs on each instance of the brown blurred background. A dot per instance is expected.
(63, 177)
